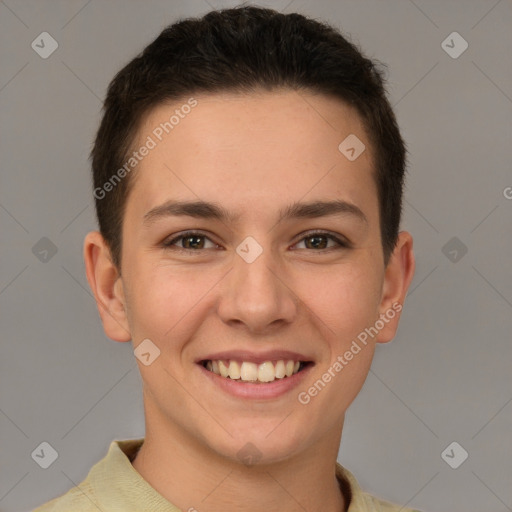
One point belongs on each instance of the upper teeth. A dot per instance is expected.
(252, 372)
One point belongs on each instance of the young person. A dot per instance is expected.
(248, 177)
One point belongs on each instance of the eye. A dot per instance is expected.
(194, 241)
(320, 240)
(189, 241)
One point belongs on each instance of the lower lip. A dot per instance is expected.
(264, 390)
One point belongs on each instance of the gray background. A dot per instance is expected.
(445, 377)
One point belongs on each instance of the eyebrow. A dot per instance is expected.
(297, 210)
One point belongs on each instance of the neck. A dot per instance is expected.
(194, 478)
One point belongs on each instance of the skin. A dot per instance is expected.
(254, 155)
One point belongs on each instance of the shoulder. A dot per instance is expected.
(361, 501)
(78, 499)
(377, 505)
(109, 482)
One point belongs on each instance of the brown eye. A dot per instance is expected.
(320, 241)
(193, 242)
(317, 241)
(190, 241)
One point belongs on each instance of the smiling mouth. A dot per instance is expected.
(246, 371)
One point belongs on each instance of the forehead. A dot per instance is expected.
(250, 150)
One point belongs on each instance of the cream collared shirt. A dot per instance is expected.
(113, 485)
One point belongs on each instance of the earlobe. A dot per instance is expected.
(107, 287)
(398, 276)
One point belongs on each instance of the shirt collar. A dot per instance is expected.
(115, 477)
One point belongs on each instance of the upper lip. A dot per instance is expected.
(255, 357)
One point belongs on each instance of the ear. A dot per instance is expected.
(107, 285)
(397, 278)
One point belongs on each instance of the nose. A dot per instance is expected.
(256, 296)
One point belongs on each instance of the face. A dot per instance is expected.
(251, 248)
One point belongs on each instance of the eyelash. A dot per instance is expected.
(342, 244)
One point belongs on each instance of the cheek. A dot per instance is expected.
(345, 304)
(344, 298)
(164, 300)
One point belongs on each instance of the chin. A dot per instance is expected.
(260, 445)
